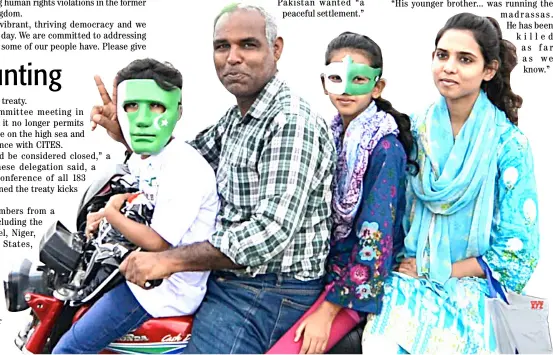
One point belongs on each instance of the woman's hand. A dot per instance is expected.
(316, 329)
(408, 267)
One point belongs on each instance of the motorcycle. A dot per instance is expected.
(52, 288)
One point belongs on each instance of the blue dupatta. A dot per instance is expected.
(452, 199)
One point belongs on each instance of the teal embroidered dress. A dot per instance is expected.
(475, 196)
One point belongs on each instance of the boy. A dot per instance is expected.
(185, 201)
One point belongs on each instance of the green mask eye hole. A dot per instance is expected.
(131, 107)
(157, 108)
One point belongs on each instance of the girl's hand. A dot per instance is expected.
(316, 329)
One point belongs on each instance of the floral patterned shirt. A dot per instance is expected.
(359, 263)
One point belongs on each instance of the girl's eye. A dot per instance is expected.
(335, 78)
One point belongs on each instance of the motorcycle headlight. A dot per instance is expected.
(22, 279)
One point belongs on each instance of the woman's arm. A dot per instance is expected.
(514, 244)
(467, 268)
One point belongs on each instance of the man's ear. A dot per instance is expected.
(378, 88)
(277, 48)
(180, 112)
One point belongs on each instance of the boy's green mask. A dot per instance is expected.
(147, 131)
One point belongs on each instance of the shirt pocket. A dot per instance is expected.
(243, 182)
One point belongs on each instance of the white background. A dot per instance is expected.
(181, 32)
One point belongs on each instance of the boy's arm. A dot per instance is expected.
(137, 233)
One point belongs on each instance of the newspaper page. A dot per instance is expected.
(51, 51)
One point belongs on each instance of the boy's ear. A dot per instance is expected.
(180, 112)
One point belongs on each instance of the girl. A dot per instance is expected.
(472, 206)
(368, 198)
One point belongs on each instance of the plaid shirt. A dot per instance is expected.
(274, 171)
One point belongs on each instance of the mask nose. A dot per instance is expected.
(144, 117)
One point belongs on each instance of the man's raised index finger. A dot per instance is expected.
(102, 90)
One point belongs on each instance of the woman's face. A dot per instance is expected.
(458, 65)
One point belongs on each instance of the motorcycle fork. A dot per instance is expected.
(54, 319)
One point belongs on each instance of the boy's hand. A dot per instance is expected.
(106, 115)
(93, 220)
(116, 202)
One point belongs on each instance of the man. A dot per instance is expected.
(274, 159)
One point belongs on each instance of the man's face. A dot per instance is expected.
(243, 58)
(147, 114)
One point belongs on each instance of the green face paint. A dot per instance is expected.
(339, 77)
(147, 129)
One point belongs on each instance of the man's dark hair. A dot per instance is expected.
(164, 74)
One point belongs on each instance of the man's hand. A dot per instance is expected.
(93, 220)
(141, 266)
(408, 266)
(106, 115)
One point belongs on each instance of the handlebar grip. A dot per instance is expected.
(152, 283)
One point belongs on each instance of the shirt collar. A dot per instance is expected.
(265, 98)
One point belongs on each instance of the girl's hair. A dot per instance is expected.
(371, 50)
(487, 33)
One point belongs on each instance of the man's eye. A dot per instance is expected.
(335, 78)
(222, 46)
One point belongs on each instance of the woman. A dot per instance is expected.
(472, 205)
(368, 200)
